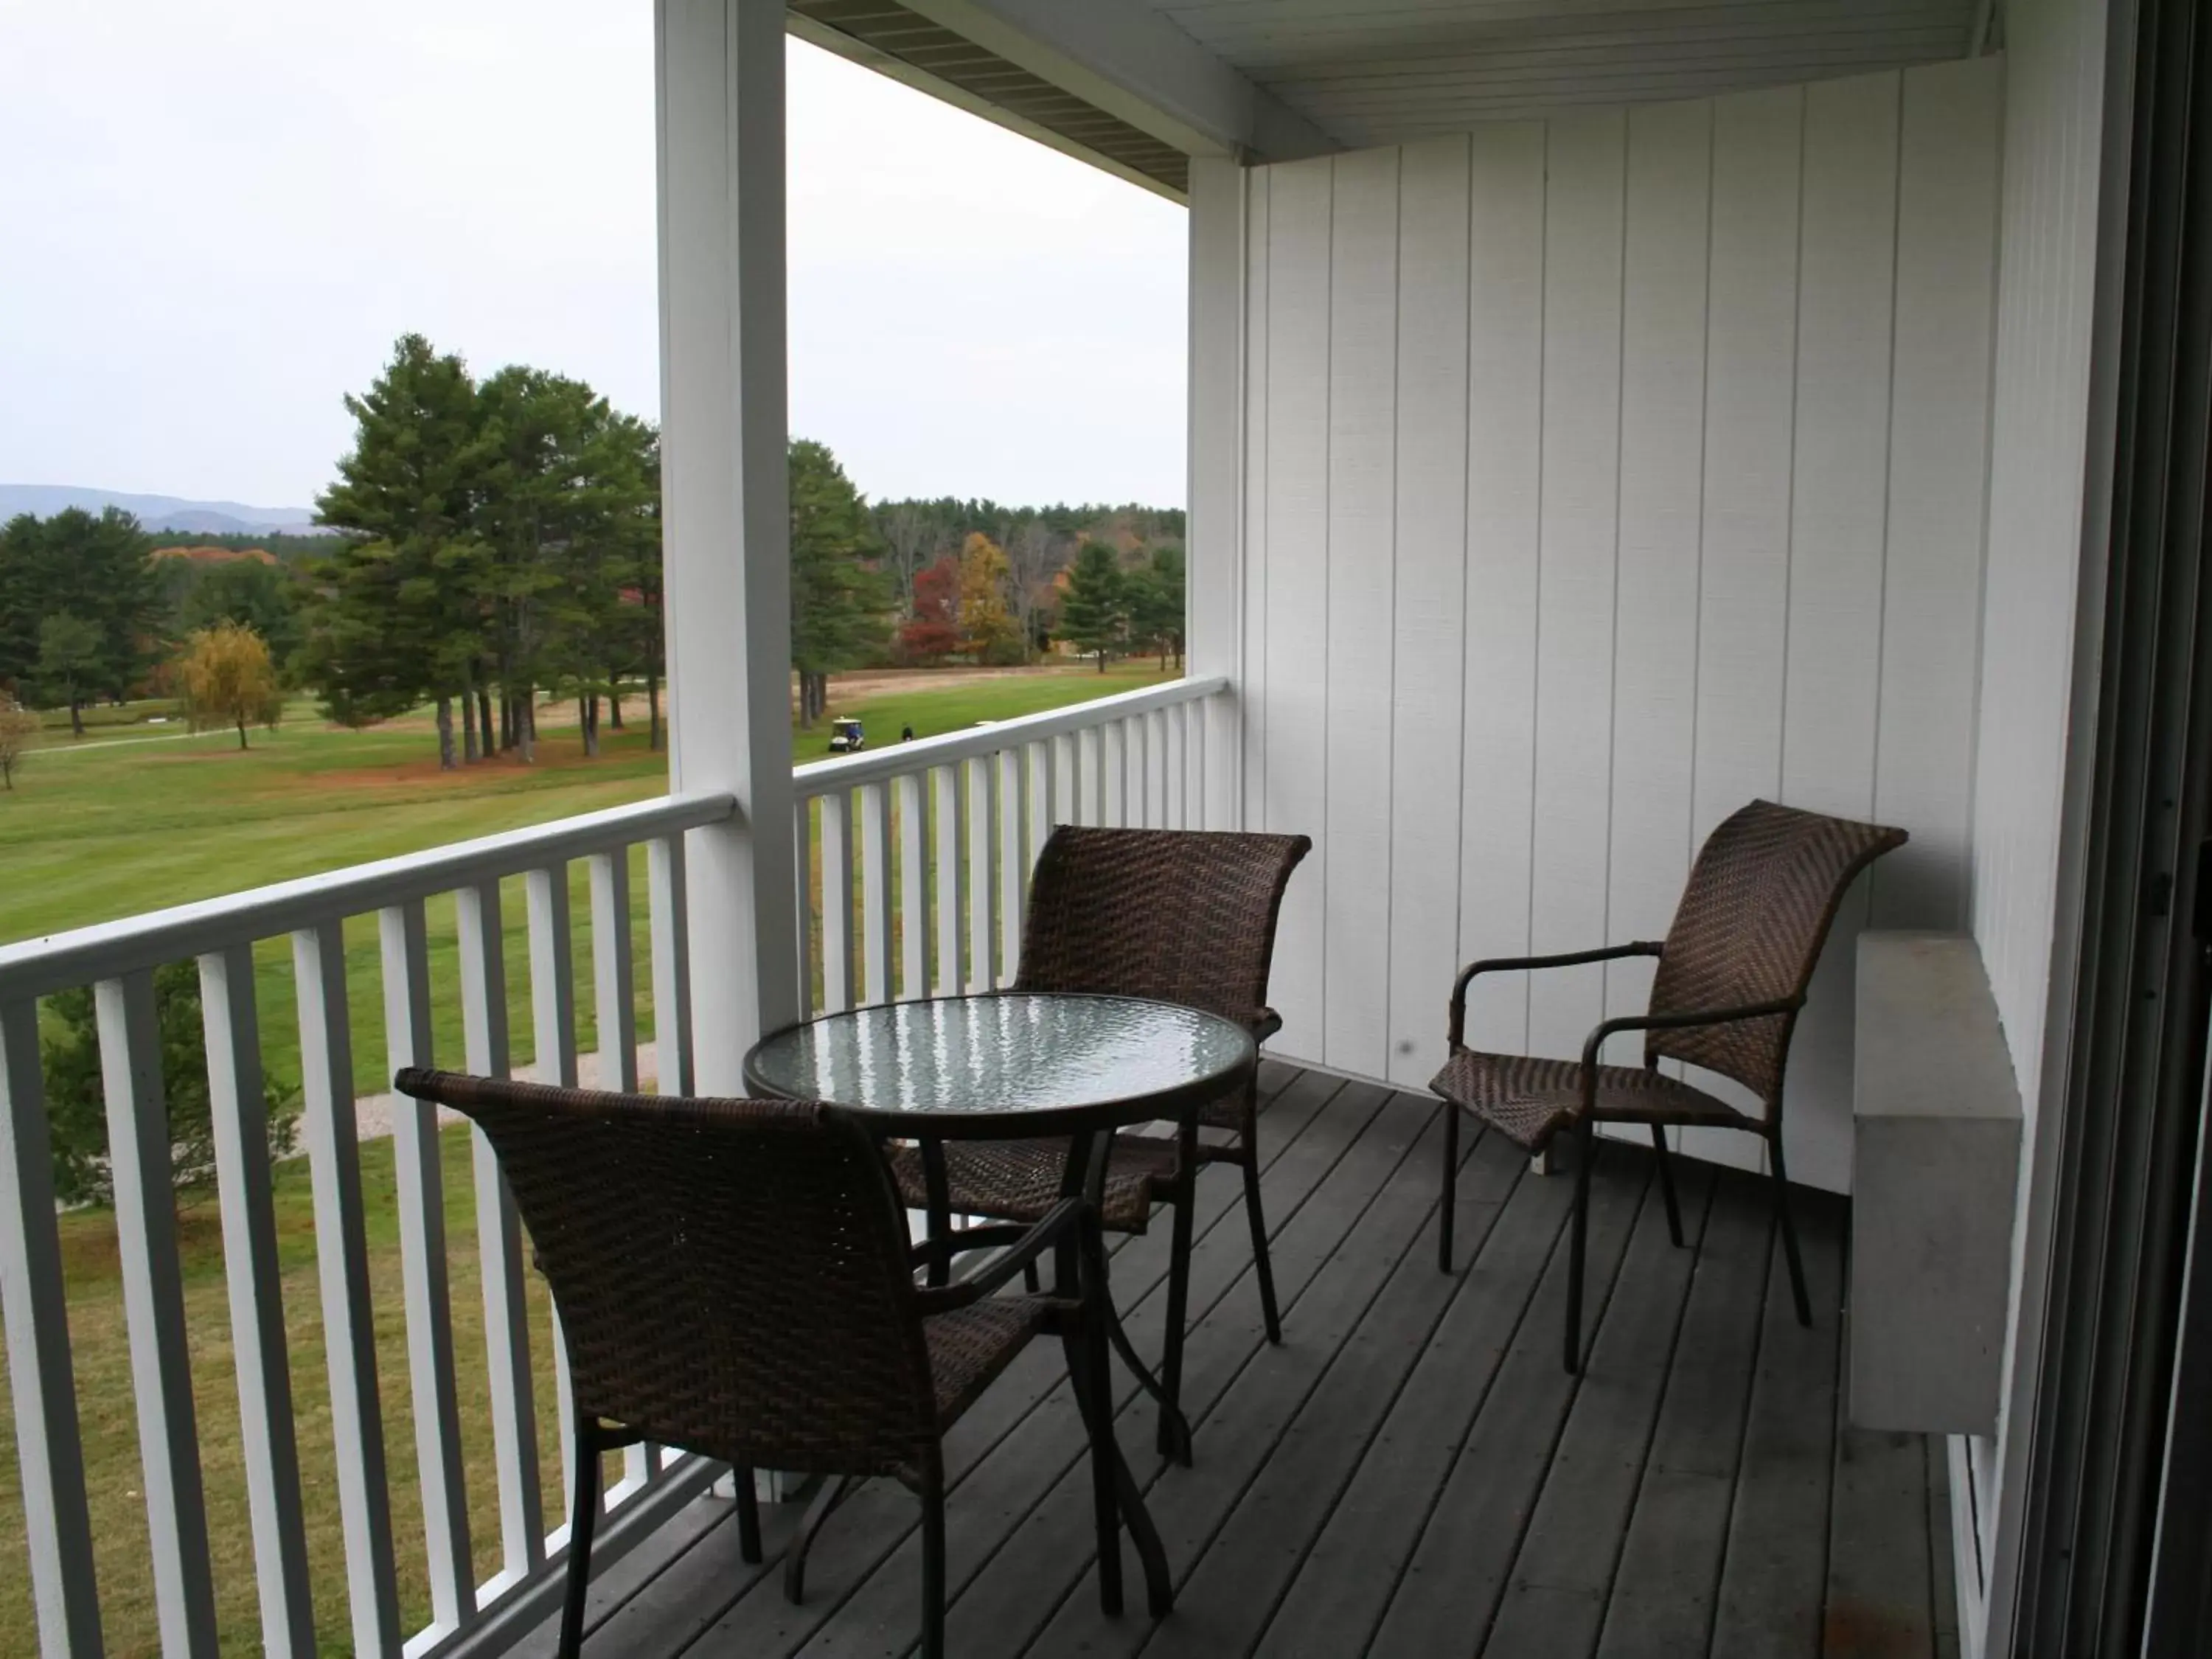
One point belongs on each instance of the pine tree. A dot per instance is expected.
(396, 617)
(839, 604)
(97, 572)
(1094, 611)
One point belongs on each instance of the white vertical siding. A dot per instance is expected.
(1428, 660)
(1593, 465)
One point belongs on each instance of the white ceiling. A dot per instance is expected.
(1382, 71)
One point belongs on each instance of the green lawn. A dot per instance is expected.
(95, 833)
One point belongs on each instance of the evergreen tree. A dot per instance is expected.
(1094, 611)
(1155, 593)
(839, 604)
(265, 598)
(396, 617)
(96, 571)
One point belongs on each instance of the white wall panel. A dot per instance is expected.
(1663, 436)
(1606, 472)
(1840, 501)
(1939, 467)
(1580, 506)
(1296, 778)
(1363, 406)
(1429, 669)
(1504, 466)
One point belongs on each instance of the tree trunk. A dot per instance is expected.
(506, 721)
(446, 761)
(587, 716)
(526, 725)
(614, 711)
(483, 717)
(241, 732)
(469, 750)
(1102, 661)
(76, 717)
(653, 711)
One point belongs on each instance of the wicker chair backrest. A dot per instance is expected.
(1181, 916)
(1750, 928)
(732, 1275)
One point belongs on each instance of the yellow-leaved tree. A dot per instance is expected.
(230, 680)
(988, 627)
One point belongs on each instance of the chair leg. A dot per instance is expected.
(582, 1521)
(832, 1493)
(1790, 1233)
(1029, 1281)
(1578, 1245)
(749, 1532)
(1667, 1185)
(1451, 1187)
(932, 1559)
(1260, 1264)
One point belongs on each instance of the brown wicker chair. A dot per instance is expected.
(1732, 974)
(1182, 917)
(734, 1279)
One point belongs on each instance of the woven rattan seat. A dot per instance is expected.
(1177, 915)
(734, 1279)
(1529, 1100)
(1733, 976)
(1019, 1180)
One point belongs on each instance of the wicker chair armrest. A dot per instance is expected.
(1609, 1029)
(1265, 1024)
(1641, 947)
(1063, 1219)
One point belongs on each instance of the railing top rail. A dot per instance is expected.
(38, 967)
(897, 759)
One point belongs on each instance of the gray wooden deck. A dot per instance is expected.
(1410, 1473)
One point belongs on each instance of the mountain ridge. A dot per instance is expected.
(169, 512)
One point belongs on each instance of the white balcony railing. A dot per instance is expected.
(948, 830)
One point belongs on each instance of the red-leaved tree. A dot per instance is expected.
(932, 633)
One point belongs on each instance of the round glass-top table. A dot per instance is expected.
(1007, 1065)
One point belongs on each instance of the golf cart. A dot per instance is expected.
(846, 736)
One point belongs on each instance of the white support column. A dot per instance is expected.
(727, 538)
(1214, 623)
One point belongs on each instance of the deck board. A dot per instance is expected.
(1411, 1472)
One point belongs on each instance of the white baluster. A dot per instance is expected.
(836, 902)
(1066, 770)
(48, 1447)
(1044, 797)
(1088, 805)
(1114, 804)
(342, 1265)
(913, 888)
(982, 809)
(802, 869)
(672, 963)
(1013, 859)
(952, 832)
(498, 1245)
(421, 1184)
(614, 981)
(552, 977)
(876, 891)
(1160, 770)
(1194, 813)
(154, 1305)
(238, 1114)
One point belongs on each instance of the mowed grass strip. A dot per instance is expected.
(112, 830)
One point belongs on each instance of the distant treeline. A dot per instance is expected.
(499, 542)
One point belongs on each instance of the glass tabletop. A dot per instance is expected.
(984, 1057)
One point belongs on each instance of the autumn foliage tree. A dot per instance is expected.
(932, 633)
(989, 630)
(230, 680)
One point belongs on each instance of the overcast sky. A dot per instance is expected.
(216, 215)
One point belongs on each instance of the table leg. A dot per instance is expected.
(1086, 1174)
(937, 1191)
(1175, 1428)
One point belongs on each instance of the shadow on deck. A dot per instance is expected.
(1410, 1473)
